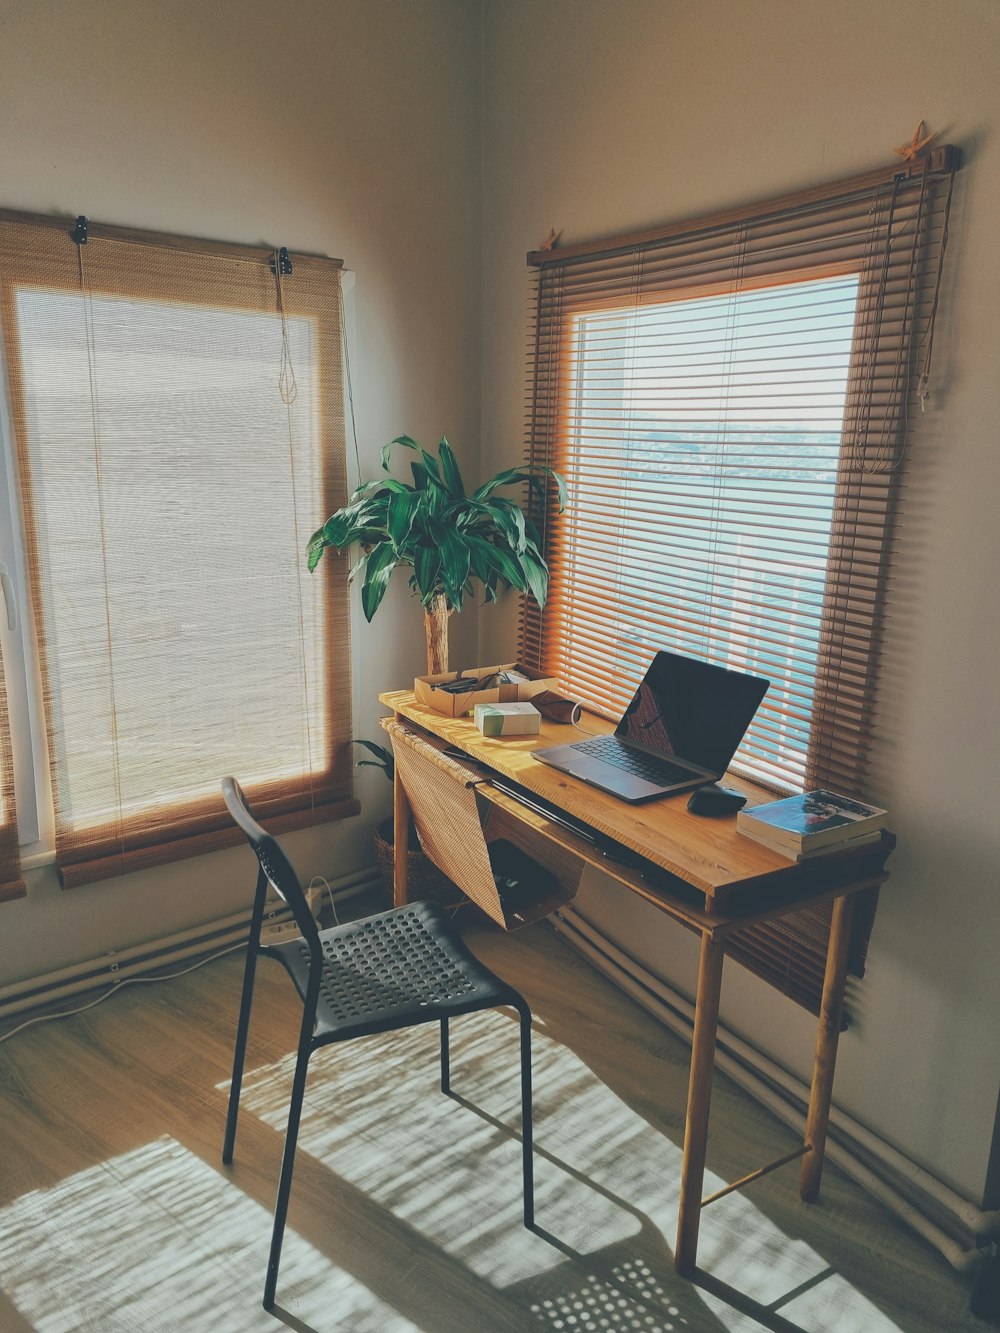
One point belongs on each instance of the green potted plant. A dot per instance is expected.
(450, 541)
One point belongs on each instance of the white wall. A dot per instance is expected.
(601, 118)
(335, 126)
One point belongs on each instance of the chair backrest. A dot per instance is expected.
(274, 864)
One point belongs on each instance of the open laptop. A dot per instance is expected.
(680, 730)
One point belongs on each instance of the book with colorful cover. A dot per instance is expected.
(848, 845)
(801, 825)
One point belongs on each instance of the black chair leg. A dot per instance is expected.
(527, 1127)
(285, 1179)
(239, 1055)
(445, 1058)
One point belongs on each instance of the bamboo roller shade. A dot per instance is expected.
(728, 399)
(442, 795)
(446, 812)
(179, 426)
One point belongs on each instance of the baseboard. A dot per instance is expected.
(959, 1229)
(50, 989)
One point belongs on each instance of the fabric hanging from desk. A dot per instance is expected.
(442, 797)
(449, 821)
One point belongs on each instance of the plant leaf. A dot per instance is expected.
(455, 559)
(401, 511)
(426, 565)
(344, 527)
(314, 551)
(381, 484)
(381, 562)
(536, 574)
(429, 462)
(514, 475)
(359, 564)
(379, 751)
(335, 528)
(437, 502)
(499, 560)
(562, 493)
(420, 478)
(481, 566)
(449, 469)
(384, 759)
(509, 519)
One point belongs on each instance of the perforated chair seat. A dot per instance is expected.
(391, 971)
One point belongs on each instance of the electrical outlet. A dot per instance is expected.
(279, 931)
(275, 931)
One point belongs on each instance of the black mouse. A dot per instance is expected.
(715, 800)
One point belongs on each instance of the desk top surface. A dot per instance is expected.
(706, 852)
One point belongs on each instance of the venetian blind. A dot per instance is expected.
(178, 416)
(728, 400)
(11, 883)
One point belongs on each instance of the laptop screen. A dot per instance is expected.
(692, 710)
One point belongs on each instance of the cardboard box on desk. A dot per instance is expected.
(428, 692)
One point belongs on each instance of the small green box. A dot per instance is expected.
(508, 719)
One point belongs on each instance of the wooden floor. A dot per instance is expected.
(117, 1213)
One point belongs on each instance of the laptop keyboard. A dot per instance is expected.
(612, 751)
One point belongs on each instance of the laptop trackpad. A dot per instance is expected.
(615, 781)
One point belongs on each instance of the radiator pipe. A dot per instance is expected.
(54, 980)
(113, 975)
(77, 978)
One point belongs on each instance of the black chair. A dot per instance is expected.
(379, 974)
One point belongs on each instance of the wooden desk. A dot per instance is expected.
(704, 875)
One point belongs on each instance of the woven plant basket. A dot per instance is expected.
(425, 883)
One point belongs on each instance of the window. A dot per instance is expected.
(728, 400)
(178, 422)
(710, 513)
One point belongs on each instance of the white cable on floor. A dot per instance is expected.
(117, 986)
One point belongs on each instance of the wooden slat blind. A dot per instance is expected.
(11, 882)
(728, 400)
(179, 426)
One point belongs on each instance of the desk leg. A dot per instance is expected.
(827, 1037)
(706, 1022)
(400, 840)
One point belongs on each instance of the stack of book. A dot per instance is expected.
(815, 822)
